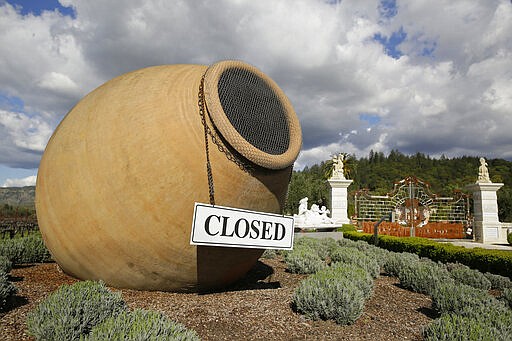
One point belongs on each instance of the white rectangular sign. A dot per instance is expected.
(234, 227)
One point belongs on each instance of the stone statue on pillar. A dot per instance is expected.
(483, 172)
(338, 172)
(339, 184)
(486, 226)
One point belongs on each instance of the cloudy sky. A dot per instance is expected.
(430, 76)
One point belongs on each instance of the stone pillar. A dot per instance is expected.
(486, 227)
(339, 201)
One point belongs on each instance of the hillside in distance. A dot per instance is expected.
(18, 196)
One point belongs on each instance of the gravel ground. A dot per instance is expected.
(255, 308)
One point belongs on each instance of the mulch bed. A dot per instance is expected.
(255, 308)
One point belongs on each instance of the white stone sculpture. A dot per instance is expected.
(303, 205)
(337, 171)
(324, 212)
(483, 172)
(314, 217)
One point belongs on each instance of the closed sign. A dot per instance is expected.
(233, 227)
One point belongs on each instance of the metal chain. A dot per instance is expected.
(200, 102)
(216, 140)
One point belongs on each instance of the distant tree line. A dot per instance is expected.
(378, 172)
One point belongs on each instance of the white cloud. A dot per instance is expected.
(41, 61)
(24, 131)
(22, 139)
(450, 91)
(59, 83)
(28, 181)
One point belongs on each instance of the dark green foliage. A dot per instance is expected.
(140, 325)
(29, 249)
(6, 289)
(495, 261)
(451, 327)
(310, 183)
(378, 172)
(464, 274)
(331, 294)
(498, 282)
(346, 227)
(5, 264)
(423, 276)
(73, 310)
(504, 198)
(353, 256)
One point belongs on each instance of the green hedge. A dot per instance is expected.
(345, 228)
(495, 261)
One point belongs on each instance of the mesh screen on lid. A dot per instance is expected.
(254, 110)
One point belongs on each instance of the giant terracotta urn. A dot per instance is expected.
(118, 180)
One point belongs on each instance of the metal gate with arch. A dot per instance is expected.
(413, 210)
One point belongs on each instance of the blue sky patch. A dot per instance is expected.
(372, 119)
(387, 9)
(428, 49)
(391, 43)
(8, 103)
(36, 7)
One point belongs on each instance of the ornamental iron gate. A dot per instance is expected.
(413, 210)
